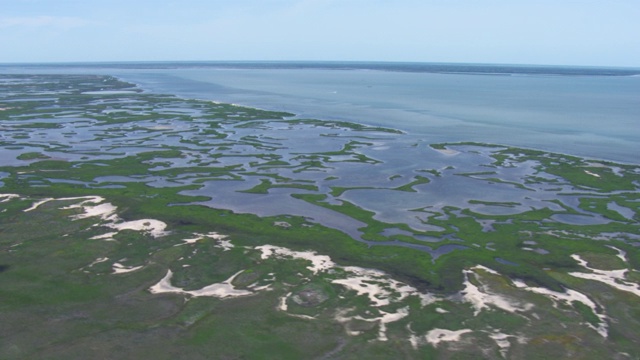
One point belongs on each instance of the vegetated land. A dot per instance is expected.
(139, 225)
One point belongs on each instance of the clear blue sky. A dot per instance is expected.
(563, 32)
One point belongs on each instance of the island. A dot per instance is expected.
(136, 224)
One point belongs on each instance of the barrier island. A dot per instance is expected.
(139, 225)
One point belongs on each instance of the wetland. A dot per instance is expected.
(135, 223)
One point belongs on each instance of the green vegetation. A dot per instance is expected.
(183, 162)
(265, 185)
(419, 180)
(32, 156)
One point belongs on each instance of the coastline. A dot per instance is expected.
(377, 235)
(559, 124)
(304, 96)
(627, 158)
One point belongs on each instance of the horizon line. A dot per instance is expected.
(98, 62)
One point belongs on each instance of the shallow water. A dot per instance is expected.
(587, 112)
(589, 116)
(400, 178)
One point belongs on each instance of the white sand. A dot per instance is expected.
(502, 340)
(484, 268)
(382, 320)
(7, 197)
(381, 291)
(300, 316)
(220, 290)
(436, 336)
(88, 210)
(318, 262)
(98, 261)
(568, 297)
(389, 318)
(108, 236)
(87, 199)
(256, 288)
(622, 255)
(155, 228)
(374, 284)
(480, 298)
(282, 306)
(37, 204)
(223, 243)
(613, 278)
(363, 285)
(122, 269)
(414, 340)
(344, 320)
(283, 303)
(107, 213)
(226, 245)
(192, 240)
(379, 288)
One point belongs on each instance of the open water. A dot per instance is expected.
(589, 112)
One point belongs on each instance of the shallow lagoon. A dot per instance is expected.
(399, 177)
(592, 116)
(587, 112)
(457, 204)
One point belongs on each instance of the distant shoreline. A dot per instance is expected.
(411, 67)
(223, 88)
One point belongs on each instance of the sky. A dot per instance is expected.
(549, 32)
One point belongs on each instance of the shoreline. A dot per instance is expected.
(147, 184)
(337, 65)
(438, 128)
(419, 137)
(429, 124)
(405, 132)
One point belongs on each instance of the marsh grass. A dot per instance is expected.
(57, 301)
